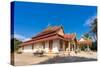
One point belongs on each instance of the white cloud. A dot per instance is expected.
(27, 39)
(20, 37)
(90, 20)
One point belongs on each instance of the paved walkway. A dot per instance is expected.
(29, 59)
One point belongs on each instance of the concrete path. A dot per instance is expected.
(29, 59)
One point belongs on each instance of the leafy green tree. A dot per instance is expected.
(14, 44)
(86, 36)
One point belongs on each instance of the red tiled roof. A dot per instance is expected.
(43, 39)
(48, 31)
(69, 36)
(49, 34)
(86, 42)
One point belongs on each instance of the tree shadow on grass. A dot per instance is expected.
(67, 59)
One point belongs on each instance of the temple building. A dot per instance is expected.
(52, 39)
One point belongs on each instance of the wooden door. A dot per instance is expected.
(66, 45)
(32, 46)
(50, 45)
(61, 45)
(43, 44)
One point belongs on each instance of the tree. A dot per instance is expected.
(86, 36)
(93, 27)
(14, 44)
(93, 31)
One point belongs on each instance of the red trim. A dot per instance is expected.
(43, 39)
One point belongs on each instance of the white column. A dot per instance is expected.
(55, 46)
(74, 47)
(88, 48)
(63, 45)
(47, 46)
(69, 46)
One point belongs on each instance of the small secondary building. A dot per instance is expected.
(84, 42)
(52, 39)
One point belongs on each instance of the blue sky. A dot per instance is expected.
(31, 18)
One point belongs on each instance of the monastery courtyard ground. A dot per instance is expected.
(30, 59)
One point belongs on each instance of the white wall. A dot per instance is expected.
(56, 46)
(47, 46)
(37, 46)
(27, 48)
(63, 45)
